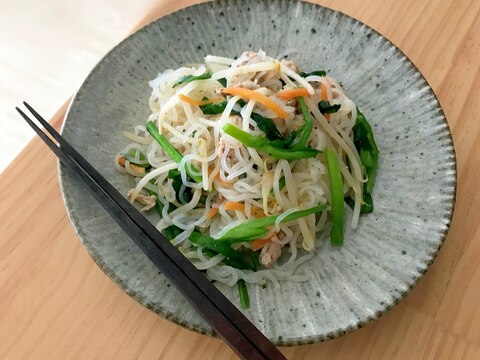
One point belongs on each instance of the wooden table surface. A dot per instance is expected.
(55, 303)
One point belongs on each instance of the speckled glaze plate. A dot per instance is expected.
(414, 194)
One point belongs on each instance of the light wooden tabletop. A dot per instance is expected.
(55, 303)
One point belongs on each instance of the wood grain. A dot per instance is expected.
(56, 304)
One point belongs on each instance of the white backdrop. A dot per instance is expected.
(47, 48)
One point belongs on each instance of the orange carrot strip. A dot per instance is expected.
(232, 205)
(211, 213)
(191, 101)
(292, 93)
(218, 178)
(262, 99)
(260, 243)
(324, 95)
(121, 161)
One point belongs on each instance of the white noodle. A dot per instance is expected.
(209, 59)
(246, 69)
(298, 78)
(149, 176)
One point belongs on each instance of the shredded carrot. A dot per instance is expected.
(218, 178)
(191, 101)
(292, 93)
(211, 213)
(260, 243)
(121, 161)
(232, 205)
(327, 116)
(254, 95)
(324, 95)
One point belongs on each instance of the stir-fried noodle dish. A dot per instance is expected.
(247, 159)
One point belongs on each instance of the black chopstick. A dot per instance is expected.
(227, 321)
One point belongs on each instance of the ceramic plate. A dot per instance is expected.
(414, 194)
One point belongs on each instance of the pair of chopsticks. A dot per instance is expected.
(227, 321)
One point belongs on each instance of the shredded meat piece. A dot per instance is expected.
(236, 120)
(267, 75)
(148, 201)
(239, 79)
(245, 80)
(249, 55)
(293, 102)
(277, 238)
(270, 253)
(289, 64)
(248, 84)
(318, 85)
(221, 147)
(231, 157)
